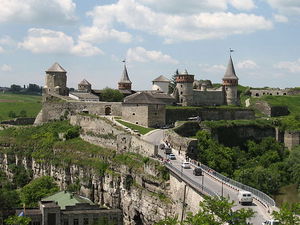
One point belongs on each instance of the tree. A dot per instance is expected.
(23, 113)
(12, 114)
(213, 211)
(17, 220)
(172, 84)
(9, 198)
(37, 189)
(288, 214)
(15, 88)
(33, 88)
(111, 95)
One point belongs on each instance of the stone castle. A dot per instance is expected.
(146, 108)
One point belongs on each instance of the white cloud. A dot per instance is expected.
(85, 49)
(247, 64)
(290, 66)
(6, 68)
(172, 28)
(139, 54)
(287, 7)
(243, 4)
(196, 6)
(280, 18)
(7, 40)
(1, 49)
(56, 42)
(97, 34)
(218, 68)
(37, 11)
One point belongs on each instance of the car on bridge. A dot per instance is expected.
(171, 156)
(186, 165)
(197, 171)
(245, 197)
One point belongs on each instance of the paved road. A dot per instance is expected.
(156, 137)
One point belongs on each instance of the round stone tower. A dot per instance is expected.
(184, 86)
(230, 84)
(56, 80)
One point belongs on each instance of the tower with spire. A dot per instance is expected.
(56, 80)
(124, 83)
(230, 84)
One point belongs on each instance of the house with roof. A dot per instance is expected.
(143, 109)
(66, 208)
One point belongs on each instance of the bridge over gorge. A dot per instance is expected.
(214, 184)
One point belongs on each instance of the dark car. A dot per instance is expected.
(197, 171)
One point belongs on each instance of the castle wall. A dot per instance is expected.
(275, 92)
(136, 113)
(156, 115)
(56, 109)
(182, 114)
(208, 98)
(291, 139)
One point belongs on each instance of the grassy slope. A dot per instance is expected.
(142, 130)
(16, 103)
(292, 102)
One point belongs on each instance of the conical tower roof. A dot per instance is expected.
(230, 72)
(125, 77)
(85, 82)
(161, 78)
(56, 68)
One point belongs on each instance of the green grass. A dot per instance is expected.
(16, 103)
(140, 129)
(292, 102)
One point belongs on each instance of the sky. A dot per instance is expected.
(91, 38)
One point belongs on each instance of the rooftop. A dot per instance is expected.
(56, 68)
(161, 78)
(65, 198)
(142, 98)
(230, 71)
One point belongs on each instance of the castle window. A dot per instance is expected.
(155, 114)
(136, 122)
(133, 114)
(270, 93)
(257, 94)
(284, 93)
(181, 85)
(66, 222)
(137, 104)
(75, 222)
(181, 92)
(85, 221)
(277, 93)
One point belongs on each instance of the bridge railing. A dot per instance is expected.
(200, 188)
(259, 194)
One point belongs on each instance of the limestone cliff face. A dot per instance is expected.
(138, 196)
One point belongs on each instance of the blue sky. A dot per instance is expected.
(90, 38)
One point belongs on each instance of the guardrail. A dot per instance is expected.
(260, 195)
(200, 188)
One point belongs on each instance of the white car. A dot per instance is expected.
(171, 156)
(186, 165)
(271, 222)
(245, 197)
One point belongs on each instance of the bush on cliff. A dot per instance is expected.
(38, 189)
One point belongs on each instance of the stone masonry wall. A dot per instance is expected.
(208, 98)
(56, 110)
(291, 139)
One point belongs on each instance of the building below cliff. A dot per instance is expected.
(65, 208)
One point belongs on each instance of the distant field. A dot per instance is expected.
(16, 103)
(292, 102)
